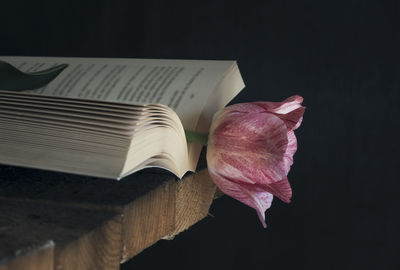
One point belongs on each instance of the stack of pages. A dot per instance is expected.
(112, 117)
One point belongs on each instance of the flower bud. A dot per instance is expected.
(250, 151)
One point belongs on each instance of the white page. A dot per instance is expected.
(183, 85)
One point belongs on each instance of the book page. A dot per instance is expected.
(183, 85)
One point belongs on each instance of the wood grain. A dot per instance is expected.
(194, 196)
(81, 237)
(148, 219)
(38, 257)
(98, 249)
(94, 223)
(166, 211)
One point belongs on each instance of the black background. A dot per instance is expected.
(341, 56)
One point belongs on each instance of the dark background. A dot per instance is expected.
(341, 56)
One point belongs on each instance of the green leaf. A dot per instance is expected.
(196, 137)
(12, 79)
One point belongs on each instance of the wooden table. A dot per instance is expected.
(52, 220)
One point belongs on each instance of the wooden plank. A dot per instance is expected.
(148, 219)
(194, 196)
(126, 199)
(98, 249)
(73, 230)
(70, 189)
(166, 211)
(35, 257)
(117, 219)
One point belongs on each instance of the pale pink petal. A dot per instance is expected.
(250, 151)
(250, 148)
(292, 119)
(245, 108)
(298, 124)
(290, 104)
(290, 110)
(252, 196)
(290, 151)
(280, 189)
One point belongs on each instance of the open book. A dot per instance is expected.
(112, 117)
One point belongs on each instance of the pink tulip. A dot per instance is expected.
(250, 151)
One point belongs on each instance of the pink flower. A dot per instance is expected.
(250, 151)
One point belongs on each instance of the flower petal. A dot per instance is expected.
(250, 151)
(251, 195)
(280, 189)
(290, 151)
(290, 104)
(250, 148)
(290, 110)
(292, 119)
